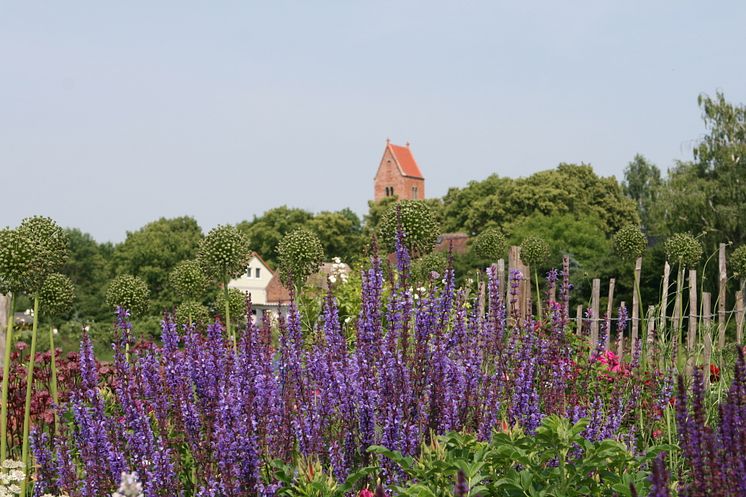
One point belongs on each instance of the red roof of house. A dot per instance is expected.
(405, 159)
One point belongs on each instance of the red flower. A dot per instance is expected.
(365, 493)
(714, 372)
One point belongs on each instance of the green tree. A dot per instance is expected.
(154, 250)
(265, 232)
(708, 195)
(340, 233)
(642, 183)
(89, 269)
(567, 189)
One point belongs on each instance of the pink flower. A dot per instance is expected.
(365, 493)
(611, 360)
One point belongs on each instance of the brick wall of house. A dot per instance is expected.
(388, 175)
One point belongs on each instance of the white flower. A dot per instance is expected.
(130, 486)
(332, 279)
(337, 260)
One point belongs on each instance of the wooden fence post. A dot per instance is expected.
(707, 328)
(620, 340)
(514, 258)
(650, 345)
(722, 297)
(579, 321)
(566, 268)
(609, 310)
(664, 299)
(691, 337)
(503, 282)
(636, 304)
(595, 298)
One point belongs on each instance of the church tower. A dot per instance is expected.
(398, 175)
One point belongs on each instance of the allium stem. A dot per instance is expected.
(29, 388)
(53, 380)
(6, 379)
(228, 314)
(538, 294)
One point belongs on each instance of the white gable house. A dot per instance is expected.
(267, 293)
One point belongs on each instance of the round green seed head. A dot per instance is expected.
(300, 255)
(128, 292)
(224, 252)
(490, 244)
(49, 238)
(417, 222)
(534, 250)
(683, 248)
(236, 303)
(738, 262)
(630, 242)
(190, 309)
(22, 266)
(56, 295)
(188, 280)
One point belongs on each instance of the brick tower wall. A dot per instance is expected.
(388, 175)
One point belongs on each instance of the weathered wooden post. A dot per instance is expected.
(707, 328)
(650, 344)
(501, 274)
(691, 337)
(636, 304)
(514, 264)
(595, 298)
(722, 297)
(609, 310)
(579, 320)
(664, 299)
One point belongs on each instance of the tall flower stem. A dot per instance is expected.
(228, 313)
(53, 379)
(29, 388)
(538, 294)
(6, 380)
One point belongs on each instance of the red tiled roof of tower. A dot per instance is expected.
(405, 159)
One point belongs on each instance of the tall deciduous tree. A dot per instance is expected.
(642, 183)
(154, 250)
(568, 189)
(89, 269)
(266, 231)
(708, 195)
(340, 233)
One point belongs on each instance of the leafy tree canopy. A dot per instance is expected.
(642, 183)
(266, 231)
(708, 195)
(568, 189)
(154, 250)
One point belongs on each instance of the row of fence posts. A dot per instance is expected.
(656, 317)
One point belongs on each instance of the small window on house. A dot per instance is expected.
(248, 272)
(258, 271)
(392, 191)
(414, 193)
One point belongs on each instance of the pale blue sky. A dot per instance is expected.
(113, 114)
